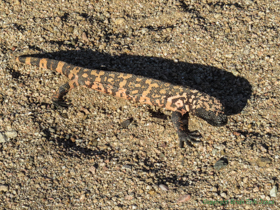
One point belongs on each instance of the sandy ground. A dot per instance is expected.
(85, 157)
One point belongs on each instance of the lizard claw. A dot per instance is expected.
(61, 103)
(190, 138)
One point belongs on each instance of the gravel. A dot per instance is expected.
(108, 153)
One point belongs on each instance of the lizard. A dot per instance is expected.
(178, 99)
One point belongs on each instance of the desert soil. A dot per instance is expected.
(108, 153)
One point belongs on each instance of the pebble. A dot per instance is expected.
(127, 166)
(11, 134)
(184, 198)
(263, 162)
(4, 188)
(163, 187)
(126, 123)
(221, 164)
(119, 21)
(92, 170)
(273, 191)
(3, 138)
(84, 36)
(152, 192)
(129, 197)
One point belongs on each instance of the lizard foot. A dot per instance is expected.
(190, 138)
(61, 103)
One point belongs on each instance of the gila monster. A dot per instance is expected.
(178, 99)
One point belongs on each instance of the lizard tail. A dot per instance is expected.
(54, 65)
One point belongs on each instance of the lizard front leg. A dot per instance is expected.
(60, 93)
(181, 124)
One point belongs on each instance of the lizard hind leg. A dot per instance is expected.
(181, 125)
(59, 94)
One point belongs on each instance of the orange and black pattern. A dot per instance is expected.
(135, 88)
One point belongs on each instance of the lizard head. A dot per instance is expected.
(212, 117)
(211, 110)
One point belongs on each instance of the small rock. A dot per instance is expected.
(11, 134)
(128, 197)
(70, 29)
(57, 19)
(94, 142)
(51, 130)
(152, 192)
(126, 123)
(273, 191)
(214, 151)
(3, 138)
(92, 169)
(4, 188)
(119, 21)
(64, 115)
(228, 55)
(163, 187)
(263, 162)
(82, 197)
(221, 164)
(223, 195)
(256, 189)
(183, 198)
(127, 166)
(248, 2)
(236, 133)
(84, 36)
(234, 72)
